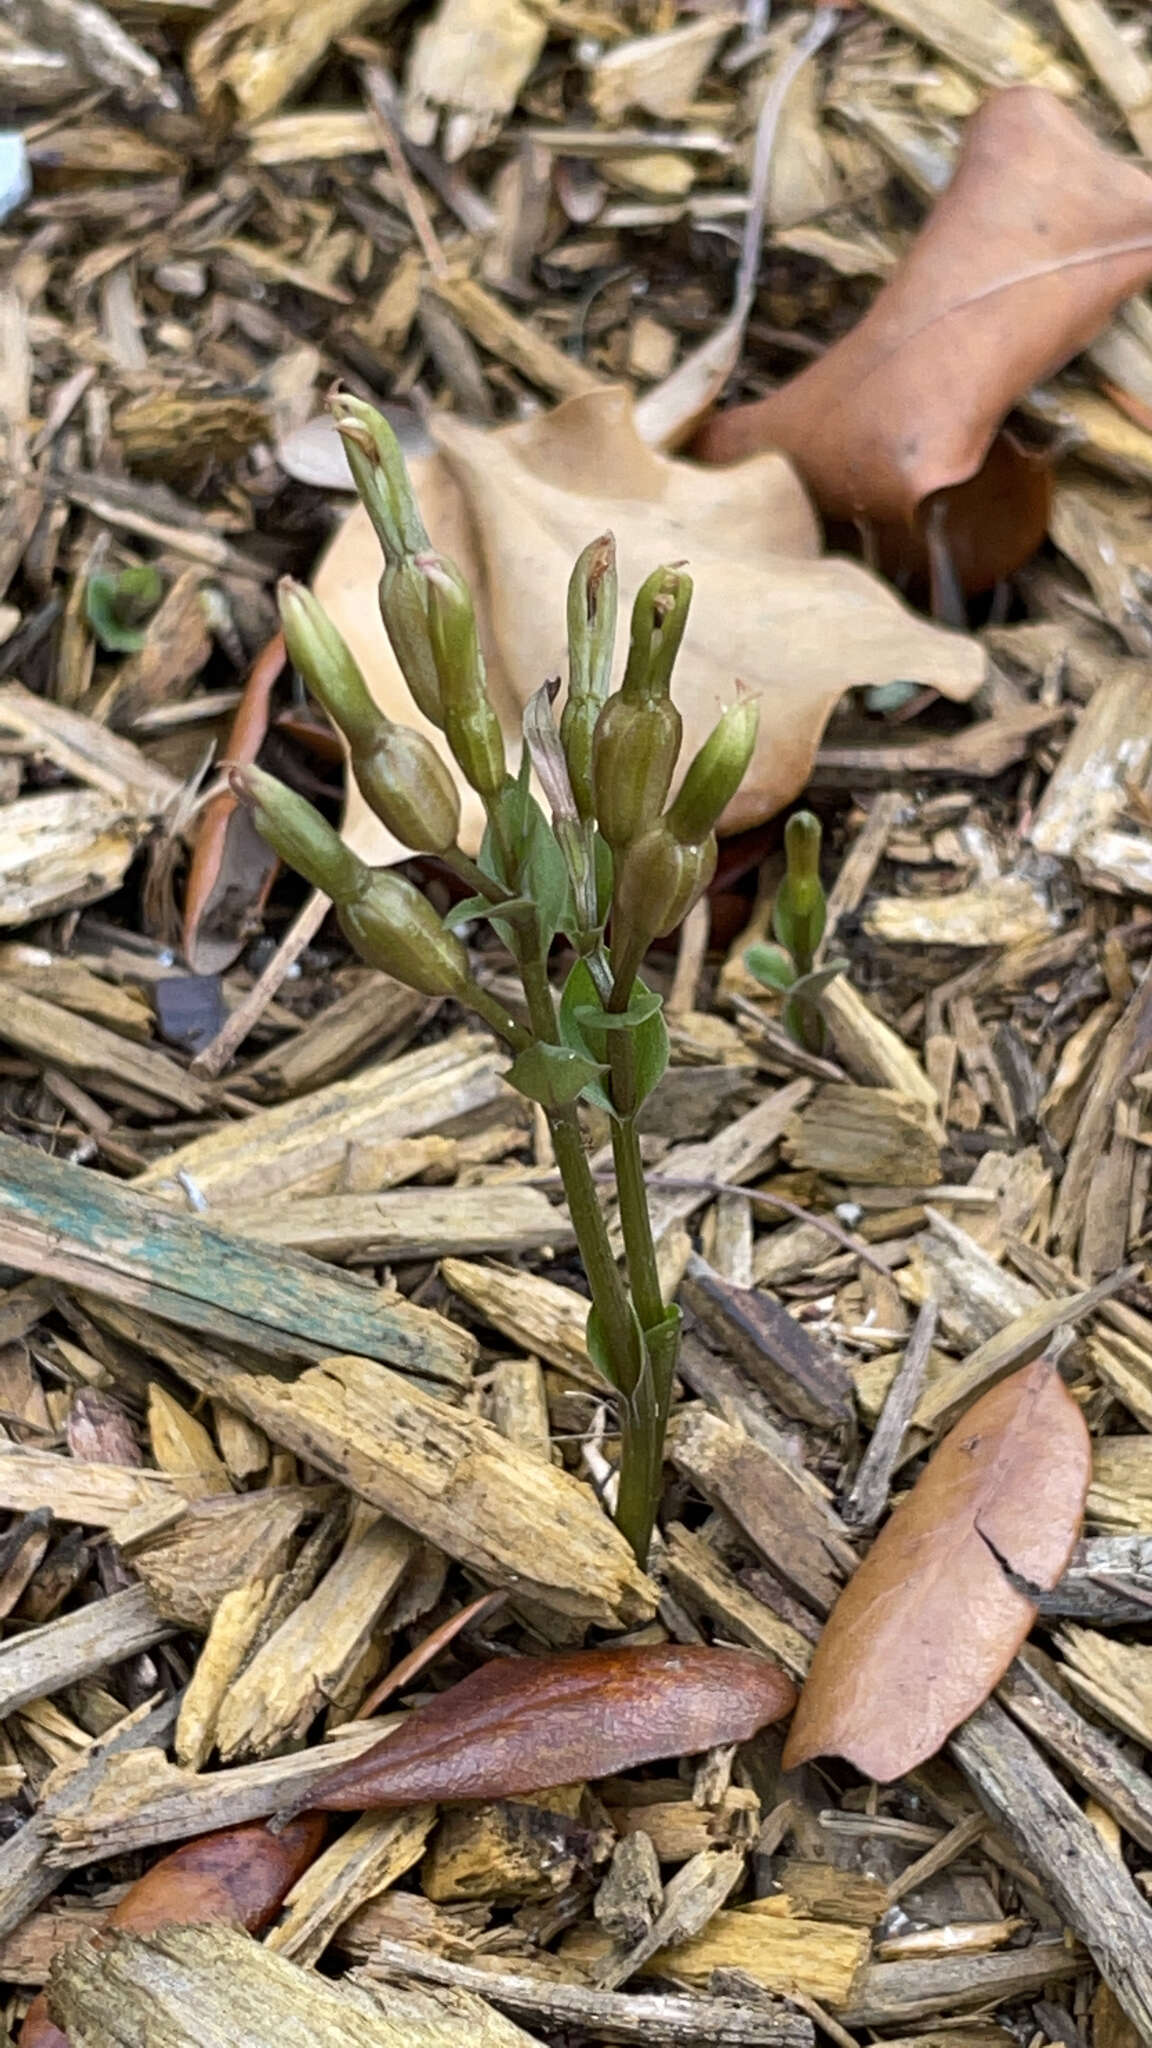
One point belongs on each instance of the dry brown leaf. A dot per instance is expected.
(1039, 237)
(516, 1726)
(514, 508)
(931, 1621)
(242, 1875)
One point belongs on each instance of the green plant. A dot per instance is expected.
(117, 604)
(799, 915)
(613, 868)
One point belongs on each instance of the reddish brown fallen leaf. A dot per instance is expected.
(231, 871)
(242, 1875)
(1023, 260)
(516, 1725)
(930, 1622)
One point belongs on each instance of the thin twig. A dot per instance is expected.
(215, 1057)
(870, 1488)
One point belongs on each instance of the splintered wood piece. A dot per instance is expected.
(899, 1994)
(931, 1619)
(307, 1661)
(801, 1375)
(185, 1984)
(866, 1134)
(76, 1645)
(230, 1637)
(816, 1957)
(1091, 1889)
(468, 65)
(374, 1009)
(361, 1864)
(448, 1475)
(538, 1314)
(1108, 751)
(737, 1153)
(115, 1066)
(307, 1148)
(869, 1049)
(781, 1510)
(63, 849)
(183, 1448)
(1115, 1677)
(503, 334)
(89, 752)
(218, 1547)
(692, 1897)
(417, 1223)
(1094, 1759)
(706, 1585)
(514, 1851)
(1017, 1344)
(868, 1496)
(97, 1496)
(1006, 912)
(90, 1231)
(248, 59)
(674, 1827)
(680, 2022)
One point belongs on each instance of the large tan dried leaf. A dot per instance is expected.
(1039, 237)
(514, 508)
(931, 1621)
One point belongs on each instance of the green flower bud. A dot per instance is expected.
(411, 790)
(715, 774)
(296, 831)
(800, 911)
(393, 927)
(471, 726)
(660, 879)
(404, 610)
(380, 477)
(326, 664)
(592, 601)
(659, 617)
(634, 752)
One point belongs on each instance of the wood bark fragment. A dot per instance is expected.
(363, 1862)
(183, 1986)
(1095, 1760)
(88, 1231)
(622, 2016)
(866, 1134)
(869, 1492)
(736, 1154)
(802, 1376)
(77, 1645)
(781, 1954)
(895, 1994)
(1094, 1893)
(414, 1223)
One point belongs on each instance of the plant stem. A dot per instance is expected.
(474, 876)
(497, 1018)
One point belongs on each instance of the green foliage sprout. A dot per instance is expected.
(613, 867)
(799, 915)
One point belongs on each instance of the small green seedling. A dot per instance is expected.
(117, 606)
(613, 867)
(799, 915)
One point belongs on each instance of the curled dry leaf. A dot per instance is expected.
(516, 1726)
(514, 508)
(242, 1875)
(1039, 237)
(231, 870)
(931, 1621)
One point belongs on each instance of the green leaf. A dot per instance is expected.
(117, 605)
(598, 1351)
(552, 1074)
(585, 1024)
(544, 876)
(511, 914)
(771, 966)
(810, 986)
(592, 1017)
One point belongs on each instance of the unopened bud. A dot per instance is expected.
(393, 927)
(378, 471)
(412, 791)
(715, 774)
(800, 911)
(326, 663)
(296, 831)
(660, 879)
(404, 610)
(634, 753)
(592, 604)
(471, 726)
(659, 616)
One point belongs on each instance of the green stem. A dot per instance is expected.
(497, 1018)
(474, 876)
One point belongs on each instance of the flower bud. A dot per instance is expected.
(659, 880)
(326, 664)
(380, 477)
(404, 610)
(592, 602)
(471, 726)
(715, 774)
(393, 927)
(296, 831)
(402, 778)
(659, 616)
(634, 752)
(800, 911)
